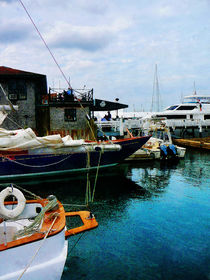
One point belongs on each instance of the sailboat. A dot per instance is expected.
(24, 156)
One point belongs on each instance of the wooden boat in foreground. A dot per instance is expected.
(33, 236)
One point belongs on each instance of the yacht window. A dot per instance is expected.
(186, 107)
(172, 107)
(206, 117)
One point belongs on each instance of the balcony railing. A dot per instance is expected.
(70, 96)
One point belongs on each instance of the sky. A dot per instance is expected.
(112, 46)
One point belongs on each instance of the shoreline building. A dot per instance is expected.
(53, 111)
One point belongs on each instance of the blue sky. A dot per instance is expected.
(112, 46)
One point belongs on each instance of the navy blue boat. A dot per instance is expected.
(22, 165)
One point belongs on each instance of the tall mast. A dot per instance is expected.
(156, 93)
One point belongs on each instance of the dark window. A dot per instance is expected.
(17, 90)
(186, 107)
(172, 107)
(70, 115)
(206, 117)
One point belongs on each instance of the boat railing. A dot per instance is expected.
(187, 123)
(118, 125)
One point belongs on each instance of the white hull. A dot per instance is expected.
(190, 119)
(48, 264)
(143, 154)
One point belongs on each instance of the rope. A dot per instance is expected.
(14, 122)
(32, 194)
(96, 177)
(36, 166)
(33, 227)
(87, 196)
(43, 40)
(76, 242)
(10, 103)
(42, 243)
(68, 83)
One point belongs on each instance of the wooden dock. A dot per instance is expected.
(200, 143)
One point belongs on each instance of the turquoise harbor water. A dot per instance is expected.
(153, 223)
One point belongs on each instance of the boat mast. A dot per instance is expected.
(194, 89)
(156, 93)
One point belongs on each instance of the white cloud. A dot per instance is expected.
(89, 38)
(111, 46)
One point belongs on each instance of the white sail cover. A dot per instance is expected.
(27, 139)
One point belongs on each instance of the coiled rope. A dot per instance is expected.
(33, 227)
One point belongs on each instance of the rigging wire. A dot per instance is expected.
(5, 95)
(43, 40)
(68, 82)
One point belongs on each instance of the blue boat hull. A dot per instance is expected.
(15, 167)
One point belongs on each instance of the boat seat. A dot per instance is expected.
(12, 227)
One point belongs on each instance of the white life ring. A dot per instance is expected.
(21, 201)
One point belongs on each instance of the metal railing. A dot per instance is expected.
(58, 95)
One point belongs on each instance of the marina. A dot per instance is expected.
(90, 188)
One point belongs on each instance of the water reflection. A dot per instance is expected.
(195, 168)
(141, 180)
(154, 176)
(153, 222)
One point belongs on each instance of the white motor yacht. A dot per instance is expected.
(189, 119)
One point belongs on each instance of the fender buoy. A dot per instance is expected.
(21, 201)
